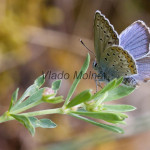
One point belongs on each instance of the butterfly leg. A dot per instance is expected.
(99, 84)
(94, 76)
(96, 85)
(97, 81)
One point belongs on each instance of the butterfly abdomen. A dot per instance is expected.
(130, 81)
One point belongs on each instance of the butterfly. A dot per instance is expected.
(124, 55)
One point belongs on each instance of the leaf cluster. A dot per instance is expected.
(85, 106)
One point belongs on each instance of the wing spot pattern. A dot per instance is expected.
(110, 30)
(132, 65)
(110, 43)
(98, 16)
(114, 36)
(106, 23)
(108, 54)
(102, 19)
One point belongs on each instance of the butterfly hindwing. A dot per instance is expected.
(104, 34)
(143, 69)
(136, 39)
(117, 62)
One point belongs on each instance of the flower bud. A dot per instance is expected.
(48, 91)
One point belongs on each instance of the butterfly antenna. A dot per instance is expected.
(87, 47)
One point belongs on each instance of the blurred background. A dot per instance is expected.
(43, 35)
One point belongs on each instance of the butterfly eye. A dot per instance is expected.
(95, 64)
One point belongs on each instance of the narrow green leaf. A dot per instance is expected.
(25, 121)
(14, 98)
(46, 97)
(46, 123)
(37, 96)
(43, 123)
(105, 126)
(111, 85)
(80, 98)
(56, 85)
(108, 87)
(107, 116)
(54, 100)
(40, 81)
(76, 81)
(34, 121)
(119, 92)
(118, 108)
(119, 81)
(100, 99)
(118, 122)
(32, 89)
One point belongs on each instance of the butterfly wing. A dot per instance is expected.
(143, 69)
(135, 39)
(117, 62)
(104, 35)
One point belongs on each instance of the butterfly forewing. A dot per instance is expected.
(104, 35)
(117, 62)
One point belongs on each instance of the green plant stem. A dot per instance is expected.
(99, 101)
(6, 116)
(44, 112)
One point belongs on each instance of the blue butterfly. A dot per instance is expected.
(124, 55)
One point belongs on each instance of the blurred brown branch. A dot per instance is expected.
(46, 38)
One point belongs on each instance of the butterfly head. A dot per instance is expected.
(95, 65)
(97, 68)
(100, 74)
